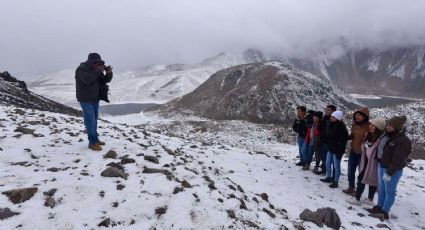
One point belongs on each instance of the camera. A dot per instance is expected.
(107, 68)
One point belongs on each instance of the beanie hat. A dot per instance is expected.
(397, 122)
(94, 57)
(379, 123)
(318, 114)
(338, 115)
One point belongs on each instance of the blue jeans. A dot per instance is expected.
(323, 154)
(332, 158)
(301, 147)
(308, 153)
(90, 115)
(387, 190)
(353, 163)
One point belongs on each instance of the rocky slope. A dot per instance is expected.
(396, 71)
(266, 92)
(415, 123)
(15, 92)
(151, 180)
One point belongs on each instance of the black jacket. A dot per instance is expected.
(300, 127)
(396, 152)
(337, 138)
(326, 121)
(90, 84)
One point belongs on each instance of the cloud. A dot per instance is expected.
(50, 35)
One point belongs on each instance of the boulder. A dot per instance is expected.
(152, 159)
(110, 154)
(114, 172)
(6, 213)
(323, 216)
(17, 196)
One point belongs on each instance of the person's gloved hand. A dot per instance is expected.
(386, 177)
(108, 69)
(100, 68)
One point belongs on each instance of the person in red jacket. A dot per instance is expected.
(313, 142)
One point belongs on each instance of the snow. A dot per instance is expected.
(226, 152)
(363, 96)
(399, 72)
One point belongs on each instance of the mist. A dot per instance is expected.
(41, 36)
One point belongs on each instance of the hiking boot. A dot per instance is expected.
(316, 170)
(334, 185)
(306, 167)
(326, 180)
(354, 201)
(367, 202)
(374, 210)
(349, 190)
(95, 147)
(299, 164)
(101, 143)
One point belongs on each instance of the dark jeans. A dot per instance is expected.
(90, 115)
(361, 187)
(353, 163)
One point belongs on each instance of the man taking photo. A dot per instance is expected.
(91, 78)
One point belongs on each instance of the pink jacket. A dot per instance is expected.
(371, 168)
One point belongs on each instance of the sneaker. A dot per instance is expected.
(334, 185)
(326, 180)
(95, 147)
(306, 167)
(374, 210)
(354, 201)
(367, 202)
(101, 143)
(349, 190)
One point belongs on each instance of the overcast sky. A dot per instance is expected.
(49, 35)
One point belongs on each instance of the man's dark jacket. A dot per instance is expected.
(90, 84)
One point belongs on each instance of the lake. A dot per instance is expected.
(124, 109)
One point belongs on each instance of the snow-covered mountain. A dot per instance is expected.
(15, 92)
(260, 92)
(394, 71)
(152, 84)
(207, 179)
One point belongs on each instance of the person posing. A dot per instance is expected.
(338, 138)
(369, 163)
(358, 130)
(300, 127)
(324, 143)
(312, 141)
(390, 167)
(90, 77)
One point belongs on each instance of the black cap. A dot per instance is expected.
(318, 114)
(94, 58)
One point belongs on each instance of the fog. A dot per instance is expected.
(40, 36)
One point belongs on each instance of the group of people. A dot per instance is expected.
(378, 153)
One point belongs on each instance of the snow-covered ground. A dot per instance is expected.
(228, 165)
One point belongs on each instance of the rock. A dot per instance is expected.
(152, 159)
(120, 187)
(127, 161)
(186, 184)
(105, 223)
(25, 130)
(160, 211)
(50, 202)
(114, 172)
(51, 192)
(116, 165)
(20, 112)
(163, 171)
(53, 169)
(6, 213)
(211, 185)
(270, 213)
(323, 216)
(177, 190)
(17, 196)
(110, 154)
(381, 225)
(264, 196)
(231, 214)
